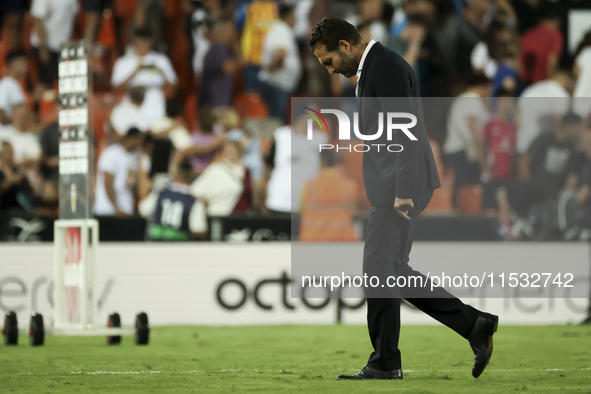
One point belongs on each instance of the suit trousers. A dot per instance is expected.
(387, 247)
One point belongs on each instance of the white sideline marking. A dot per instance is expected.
(294, 371)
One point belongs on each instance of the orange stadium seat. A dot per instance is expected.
(101, 106)
(251, 105)
(124, 8)
(106, 35)
(178, 41)
(3, 51)
(469, 200)
(441, 202)
(438, 159)
(47, 110)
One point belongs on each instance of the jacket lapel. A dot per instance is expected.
(365, 69)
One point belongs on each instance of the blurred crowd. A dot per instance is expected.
(190, 108)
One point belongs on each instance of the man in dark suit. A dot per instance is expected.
(399, 186)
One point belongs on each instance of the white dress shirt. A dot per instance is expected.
(371, 43)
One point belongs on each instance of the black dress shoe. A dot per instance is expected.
(481, 341)
(370, 373)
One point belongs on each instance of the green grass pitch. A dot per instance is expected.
(535, 359)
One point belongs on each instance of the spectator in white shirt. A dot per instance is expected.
(11, 92)
(116, 176)
(128, 114)
(541, 107)
(53, 22)
(143, 67)
(27, 149)
(281, 67)
(292, 161)
(463, 148)
(582, 70)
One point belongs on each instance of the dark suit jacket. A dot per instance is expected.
(412, 173)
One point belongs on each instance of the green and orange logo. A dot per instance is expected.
(317, 117)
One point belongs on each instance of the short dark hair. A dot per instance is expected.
(132, 132)
(15, 54)
(185, 171)
(330, 30)
(143, 32)
(550, 11)
(285, 10)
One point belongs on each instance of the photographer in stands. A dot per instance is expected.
(144, 67)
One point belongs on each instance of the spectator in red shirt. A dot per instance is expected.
(541, 47)
(498, 135)
(498, 139)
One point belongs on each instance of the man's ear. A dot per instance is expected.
(345, 46)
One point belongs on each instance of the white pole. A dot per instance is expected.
(84, 294)
(59, 304)
(94, 261)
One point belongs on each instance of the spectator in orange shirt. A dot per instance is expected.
(328, 204)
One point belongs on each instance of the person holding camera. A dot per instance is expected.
(143, 67)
